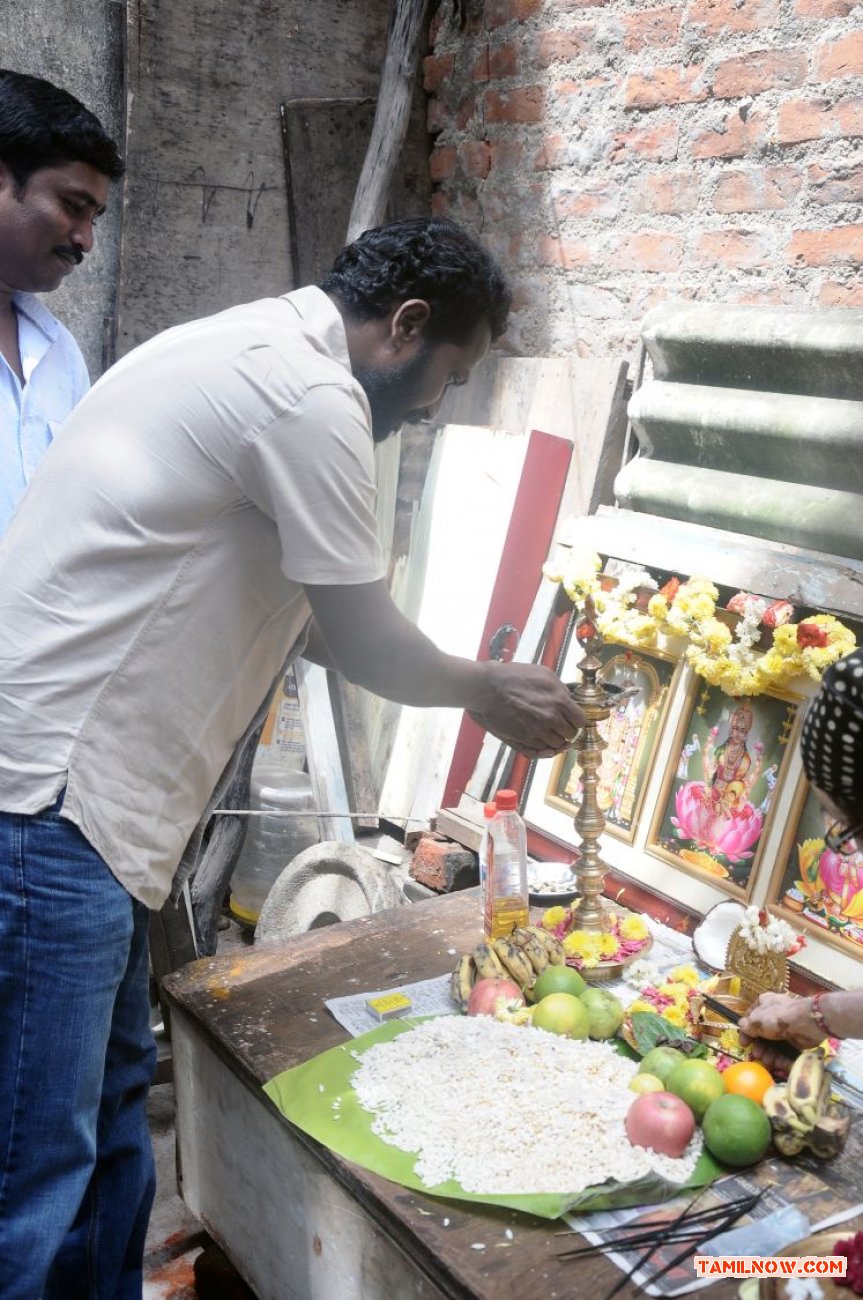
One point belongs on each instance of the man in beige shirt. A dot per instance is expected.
(210, 505)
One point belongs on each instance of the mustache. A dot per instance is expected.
(69, 250)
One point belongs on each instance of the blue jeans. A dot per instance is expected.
(76, 1059)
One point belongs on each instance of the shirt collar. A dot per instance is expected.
(323, 317)
(30, 306)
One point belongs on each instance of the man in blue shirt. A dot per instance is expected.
(56, 163)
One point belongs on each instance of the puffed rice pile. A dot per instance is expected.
(506, 1109)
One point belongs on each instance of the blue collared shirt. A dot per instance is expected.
(30, 415)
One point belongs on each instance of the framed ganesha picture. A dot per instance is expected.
(630, 732)
(815, 885)
(728, 758)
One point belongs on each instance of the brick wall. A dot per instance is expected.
(614, 153)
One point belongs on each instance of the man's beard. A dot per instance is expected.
(389, 391)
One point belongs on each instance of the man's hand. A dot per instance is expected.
(778, 1016)
(530, 709)
(374, 645)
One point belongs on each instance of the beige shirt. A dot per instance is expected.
(151, 582)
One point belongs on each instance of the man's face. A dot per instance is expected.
(411, 389)
(46, 228)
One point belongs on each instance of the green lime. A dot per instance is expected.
(557, 979)
(561, 1013)
(604, 1010)
(696, 1082)
(736, 1130)
(660, 1061)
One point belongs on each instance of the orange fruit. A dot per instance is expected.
(748, 1079)
(696, 1082)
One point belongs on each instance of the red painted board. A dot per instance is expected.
(528, 538)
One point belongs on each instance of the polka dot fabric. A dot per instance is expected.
(832, 740)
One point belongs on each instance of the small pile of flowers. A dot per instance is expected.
(763, 933)
(731, 660)
(624, 937)
(674, 996)
(852, 1249)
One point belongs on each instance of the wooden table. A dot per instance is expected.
(296, 1219)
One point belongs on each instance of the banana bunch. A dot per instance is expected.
(801, 1113)
(520, 957)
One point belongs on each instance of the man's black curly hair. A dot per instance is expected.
(43, 126)
(426, 258)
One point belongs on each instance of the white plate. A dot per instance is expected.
(551, 882)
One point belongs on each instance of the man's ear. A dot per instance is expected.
(409, 322)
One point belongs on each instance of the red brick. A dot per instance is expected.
(465, 112)
(443, 162)
(649, 27)
(442, 865)
(717, 17)
(824, 8)
(734, 248)
(523, 104)
(648, 252)
(437, 116)
(664, 192)
(552, 153)
(842, 58)
(836, 185)
(758, 189)
(599, 200)
(813, 119)
(440, 204)
(503, 61)
(839, 246)
(834, 294)
(675, 85)
(565, 253)
(734, 139)
(475, 158)
(571, 89)
(506, 155)
(437, 69)
(563, 5)
(559, 46)
(752, 74)
(497, 13)
(656, 143)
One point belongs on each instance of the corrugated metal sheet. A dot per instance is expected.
(753, 422)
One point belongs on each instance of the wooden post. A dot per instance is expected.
(406, 31)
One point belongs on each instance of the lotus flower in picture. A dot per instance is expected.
(711, 826)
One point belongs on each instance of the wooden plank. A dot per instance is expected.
(807, 578)
(519, 574)
(261, 1012)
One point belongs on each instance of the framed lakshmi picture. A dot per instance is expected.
(815, 885)
(727, 760)
(631, 733)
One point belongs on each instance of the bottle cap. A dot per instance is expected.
(506, 800)
(489, 810)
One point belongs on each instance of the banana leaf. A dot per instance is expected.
(318, 1098)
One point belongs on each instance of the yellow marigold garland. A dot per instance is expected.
(688, 610)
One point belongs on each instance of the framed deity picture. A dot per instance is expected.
(727, 760)
(814, 885)
(631, 733)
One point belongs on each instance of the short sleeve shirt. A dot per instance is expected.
(32, 413)
(152, 581)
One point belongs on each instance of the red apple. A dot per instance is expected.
(661, 1122)
(485, 994)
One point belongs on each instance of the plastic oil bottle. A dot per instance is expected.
(485, 853)
(505, 892)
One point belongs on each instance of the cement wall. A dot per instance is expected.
(79, 45)
(616, 153)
